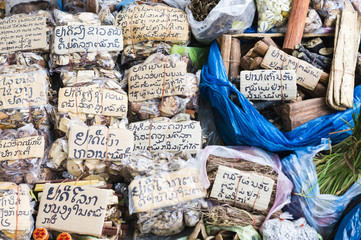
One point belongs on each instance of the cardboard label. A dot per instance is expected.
(146, 80)
(72, 209)
(10, 207)
(25, 33)
(99, 142)
(85, 38)
(166, 189)
(251, 189)
(93, 99)
(22, 148)
(23, 90)
(167, 136)
(307, 75)
(159, 23)
(267, 84)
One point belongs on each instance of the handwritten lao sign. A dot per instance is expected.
(146, 81)
(93, 99)
(167, 136)
(23, 90)
(12, 207)
(73, 209)
(159, 23)
(85, 38)
(267, 84)
(165, 190)
(22, 148)
(22, 33)
(99, 142)
(243, 188)
(307, 75)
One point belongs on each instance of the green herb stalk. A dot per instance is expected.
(340, 169)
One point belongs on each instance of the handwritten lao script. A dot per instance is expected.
(241, 187)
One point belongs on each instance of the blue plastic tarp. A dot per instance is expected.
(244, 125)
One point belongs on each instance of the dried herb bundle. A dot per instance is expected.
(341, 168)
(212, 167)
(227, 216)
(201, 8)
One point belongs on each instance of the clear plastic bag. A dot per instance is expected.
(160, 168)
(80, 54)
(76, 6)
(322, 211)
(24, 6)
(313, 21)
(27, 96)
(229, 16)
(137, 53)
(256, 156)
(20, 213)
(329, 9)
(29, 169)
(284, 229)
(71, 78)
(101, 101)
(169, 102)
(153, 22)
(272, 13)
(29, 56)
(88, 169)
(169, 107)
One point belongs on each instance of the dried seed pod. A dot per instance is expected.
(272, 13)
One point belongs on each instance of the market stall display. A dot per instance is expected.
(180, 119)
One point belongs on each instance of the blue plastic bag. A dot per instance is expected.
(322, 211)
(246, 126)
(350, 227)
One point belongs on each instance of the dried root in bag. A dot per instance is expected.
(176, 198)
(143, 23)
(23, 48)
(313, 21)
(71, 78)
(210, 19)
(143, 163)
(169, 107)
(25, 96)
(81, 42)
(2, 8)
(23, 154)
(161, 86)
(24, 6)
(174, 135)
(17, 206)
(100, 101)
(171, 220)
(91, 153)
(75, 6)
(138, 52)
(329, 9)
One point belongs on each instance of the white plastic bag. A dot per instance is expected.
(233, 16)
(284, 229)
